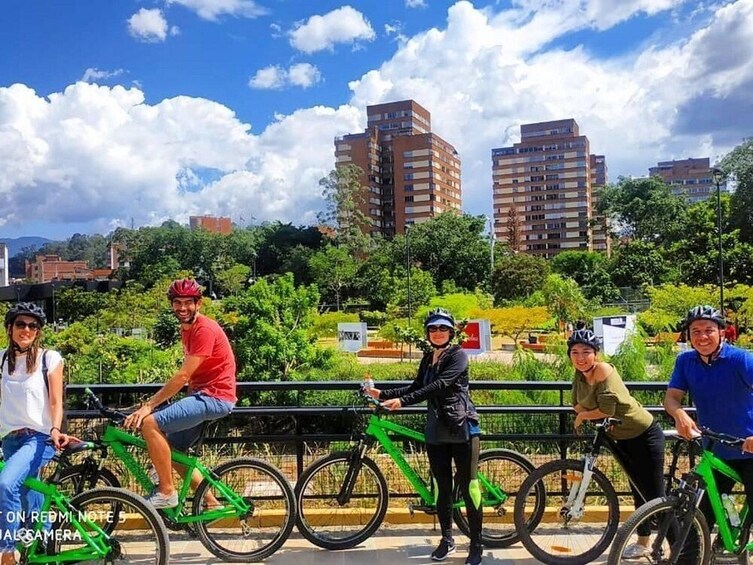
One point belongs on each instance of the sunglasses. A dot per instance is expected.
(435, 329)
(21, 325)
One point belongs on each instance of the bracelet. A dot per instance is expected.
(55, 428)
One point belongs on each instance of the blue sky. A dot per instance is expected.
(148, 110)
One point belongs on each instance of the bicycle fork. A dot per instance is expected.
(354, 468)
(574, 507)
(689, 507)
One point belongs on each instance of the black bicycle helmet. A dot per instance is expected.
(25, 309)
(705, 313)
(585, 337)
(439, 317)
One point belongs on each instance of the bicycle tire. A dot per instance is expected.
(326, 523)
(79, 478)
(143, 538)
(655, 511)
(273, 511)
(507, 470)
(558, 547)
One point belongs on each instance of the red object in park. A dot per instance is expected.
(472, 333)
(730, 333)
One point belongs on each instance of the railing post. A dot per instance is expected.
(562, 426)
(298, 439)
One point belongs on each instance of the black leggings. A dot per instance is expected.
(642, 458)
(465, 456)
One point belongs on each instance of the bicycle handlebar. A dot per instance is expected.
(725, 439)
(114, 416)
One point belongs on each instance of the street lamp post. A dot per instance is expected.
(491, 247)
(718, 176)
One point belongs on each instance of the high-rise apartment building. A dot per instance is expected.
(599, 222)
(542, 189)
(690, 178)
(411, 174)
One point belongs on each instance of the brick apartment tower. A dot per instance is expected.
(543, 190)
(214, 224)
(600, 227)
(690, 178)
(411, 173)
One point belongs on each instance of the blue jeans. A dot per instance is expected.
(25, 452)
(182, 421)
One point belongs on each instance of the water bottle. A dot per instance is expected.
(368, 382)
(153, 476)
(729, 506)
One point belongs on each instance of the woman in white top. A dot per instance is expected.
(31, 413)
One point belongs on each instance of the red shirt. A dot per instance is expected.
(216, 375)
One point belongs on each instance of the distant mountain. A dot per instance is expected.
(15, 245)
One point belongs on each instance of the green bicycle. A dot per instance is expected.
(243, 510)
(86, 529)
(680, 533)
(343, 497)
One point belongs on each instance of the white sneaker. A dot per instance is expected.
(159, 500)
(636, 551)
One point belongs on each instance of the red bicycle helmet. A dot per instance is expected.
(184, 288)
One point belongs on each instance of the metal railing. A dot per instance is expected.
(297, 422)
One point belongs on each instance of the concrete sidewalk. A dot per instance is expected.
(389, 546)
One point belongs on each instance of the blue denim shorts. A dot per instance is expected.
(182, 421)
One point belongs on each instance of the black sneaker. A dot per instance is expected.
(444, 549)
(474, 555)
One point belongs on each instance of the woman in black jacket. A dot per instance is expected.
(452, 429)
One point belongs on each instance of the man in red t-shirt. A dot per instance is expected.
(209, 371)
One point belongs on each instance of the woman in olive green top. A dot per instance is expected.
(598, 392)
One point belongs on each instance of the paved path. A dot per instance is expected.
(390, 546)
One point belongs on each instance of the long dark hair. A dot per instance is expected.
(31, 353)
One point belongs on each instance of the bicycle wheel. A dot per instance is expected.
(505, 470)
(329, 523)
(661, 515)
(261, 532)
(81, 478)
(567, 535)
(137, 534)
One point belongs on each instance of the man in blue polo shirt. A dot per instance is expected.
(719, 377)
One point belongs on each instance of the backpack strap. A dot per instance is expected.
(5, 358)
(45, 371)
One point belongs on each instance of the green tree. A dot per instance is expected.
(645, 207)
(517, 276)
(345, 199)
(272, 340)
(422, 289)
(564, 299)
(334, 269)
(232, 279)
(451, 247)
(589, 270)
(637, 264)
(738, 165)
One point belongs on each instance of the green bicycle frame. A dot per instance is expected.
(378, 428)
(118, 440)
(730, 534)
(97, 545)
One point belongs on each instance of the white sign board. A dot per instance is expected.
(478, 337)
(613, 330)
(351, 336)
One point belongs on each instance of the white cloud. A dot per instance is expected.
(98, 155)
(415, 3)
(303, 75)
(93, 74)
(485, 73)
(269, 78)
(214, 9)
(343, 25)
(148, 25)
(275, 77)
